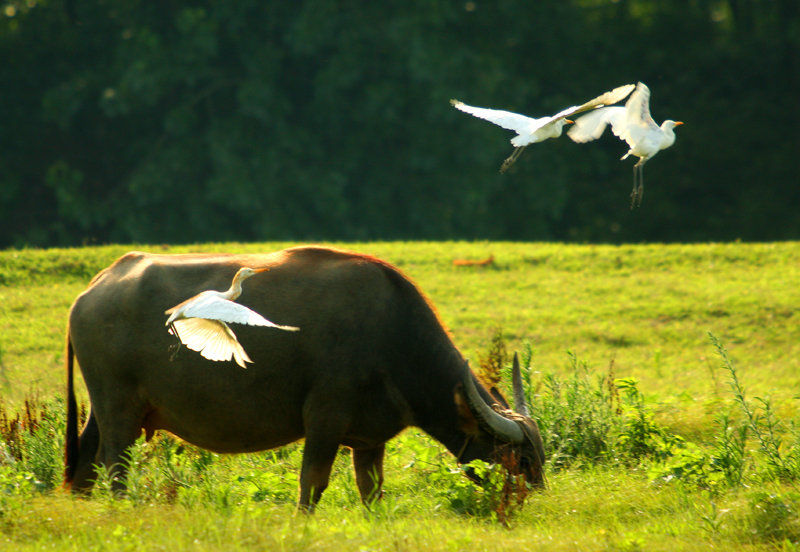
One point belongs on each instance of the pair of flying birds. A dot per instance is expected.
(631, 123)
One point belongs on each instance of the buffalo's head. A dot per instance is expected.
(497, 434)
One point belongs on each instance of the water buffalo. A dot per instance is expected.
(371, 358)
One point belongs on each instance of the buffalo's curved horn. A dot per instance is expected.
(493, 422)
(520, 405)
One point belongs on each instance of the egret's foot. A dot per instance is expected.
(173, 351)
(636, 196)
(511, 159)
(175, 347)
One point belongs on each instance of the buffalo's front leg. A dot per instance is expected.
(318, 456)
(368, 465)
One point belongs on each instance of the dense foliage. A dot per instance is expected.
(205, 120)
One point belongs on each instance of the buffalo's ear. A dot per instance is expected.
(466, 420)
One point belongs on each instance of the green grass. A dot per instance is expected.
(645, 310)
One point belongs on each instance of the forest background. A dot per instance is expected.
(190, 121)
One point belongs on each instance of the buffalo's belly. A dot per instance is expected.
(223, 434)
(225, 418)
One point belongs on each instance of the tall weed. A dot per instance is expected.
(640, 436)
(730, 448)
(492, 363)
(778, 460)
(32, 440)
(575, 415)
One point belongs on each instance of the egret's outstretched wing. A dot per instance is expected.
(638, 107)
(213, 339)
(592, 125)
(642, 132)
(625, 122)
(216, 308)
(506, 119)
(607, 98)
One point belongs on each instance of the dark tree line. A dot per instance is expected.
(177, 121)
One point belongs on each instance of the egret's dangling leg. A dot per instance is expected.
(175, 347)
(633, 191)
(638, 184)
(641, 186)
(511, 158)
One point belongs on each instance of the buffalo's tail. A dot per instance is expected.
(71, 449)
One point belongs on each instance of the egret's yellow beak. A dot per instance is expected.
(678, 123)
(569, 121)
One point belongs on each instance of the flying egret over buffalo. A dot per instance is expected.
(201, 322)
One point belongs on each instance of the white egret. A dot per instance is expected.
(530, 130)
(634, 125)
(201, 322)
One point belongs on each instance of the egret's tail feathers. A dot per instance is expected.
(287, 328)
(256, 319)
(240, 355)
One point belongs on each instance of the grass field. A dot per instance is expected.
(641, 311)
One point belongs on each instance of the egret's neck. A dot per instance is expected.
(557, 128)
(236, 288)
(668, 136)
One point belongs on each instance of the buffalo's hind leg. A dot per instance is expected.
(123, 425)
(104, 446)
(368, 466)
